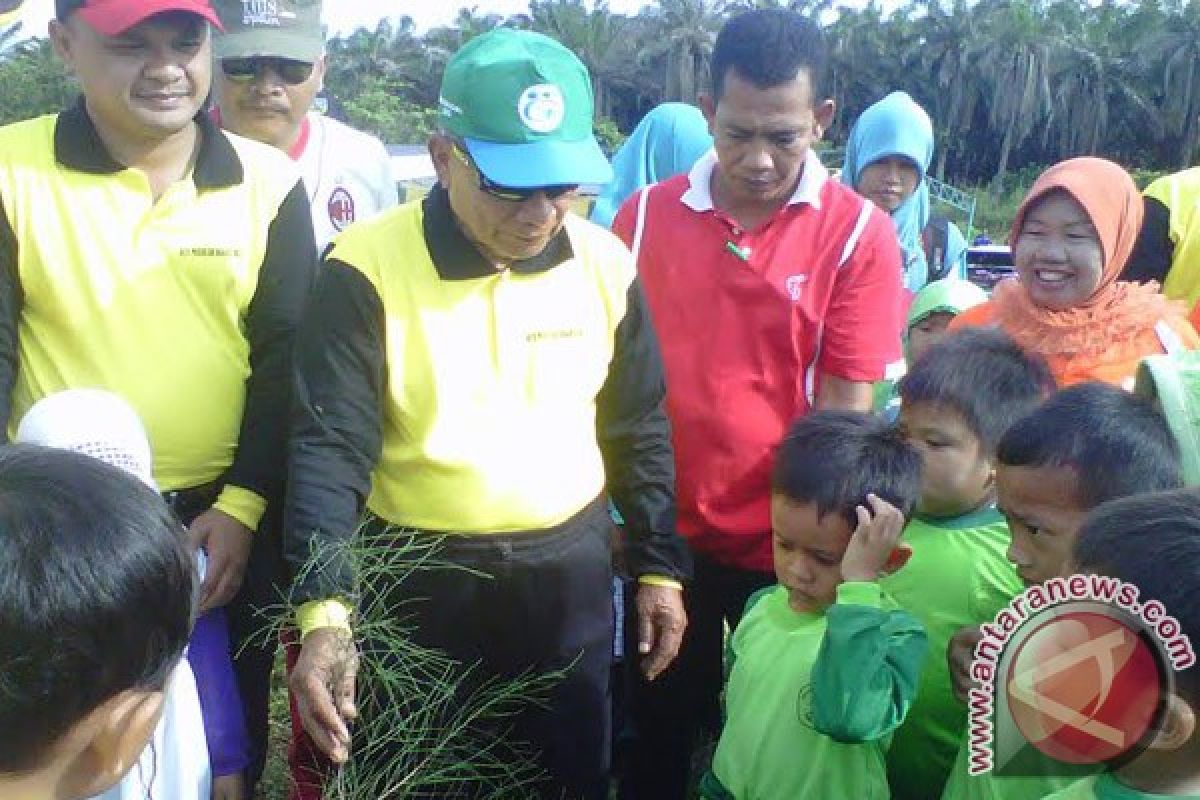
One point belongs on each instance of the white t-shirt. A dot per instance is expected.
(174, 765)
(347, 174)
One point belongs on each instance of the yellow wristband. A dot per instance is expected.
(242, 504)
(659, 580)
(332, 613)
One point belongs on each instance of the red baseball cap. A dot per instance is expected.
(114, 17)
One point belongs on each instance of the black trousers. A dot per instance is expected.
(250, 615)
(513, 605)
(672, 715)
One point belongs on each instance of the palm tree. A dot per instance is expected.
(944, 49)
(1017, 58)
(1179, 45)
(863, 60)
(594, 36)
(1095, 83)
(684, 32)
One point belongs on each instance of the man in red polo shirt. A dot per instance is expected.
(774, 291)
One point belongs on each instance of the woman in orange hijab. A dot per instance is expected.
(1070, 240)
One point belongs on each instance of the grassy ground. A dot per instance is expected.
(275, 781)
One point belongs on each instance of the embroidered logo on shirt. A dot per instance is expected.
(341, 208)
(804, 714)
(795, 286)
(209, 252)
(542, 108)
(553, 336)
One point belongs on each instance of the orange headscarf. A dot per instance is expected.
(1117, 311)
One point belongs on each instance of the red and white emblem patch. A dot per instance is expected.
(341, 208)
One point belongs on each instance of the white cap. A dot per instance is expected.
(94, 422)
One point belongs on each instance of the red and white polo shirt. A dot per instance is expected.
(748, 321)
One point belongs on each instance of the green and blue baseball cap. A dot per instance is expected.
(288, 29)
(522, 103)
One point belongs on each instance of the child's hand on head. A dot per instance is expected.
(874, 547)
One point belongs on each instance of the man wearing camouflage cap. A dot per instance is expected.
(480, 365)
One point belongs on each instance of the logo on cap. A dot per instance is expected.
(265, 12)
(542, 108)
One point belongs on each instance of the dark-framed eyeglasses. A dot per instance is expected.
(244, 70)
(509, 193)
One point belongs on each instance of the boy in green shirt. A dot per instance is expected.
(1084, 446)
(932, 310)
(957, 401)
(1152, 541)
(822, 666)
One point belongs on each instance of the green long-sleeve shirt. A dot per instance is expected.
(958, 575)
(812, 698)
(1107, 787)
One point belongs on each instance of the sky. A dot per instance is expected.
(343, 16)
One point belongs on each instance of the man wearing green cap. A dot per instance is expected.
(271, 61)
(481, 364)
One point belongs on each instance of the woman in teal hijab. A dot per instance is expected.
(667, 142)
(887, 157)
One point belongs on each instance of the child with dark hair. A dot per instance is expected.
(957, 400)
(823, 667)
(767, 48)
(96, 607)
(1152, 542)
(1084, 446)
(200, 746)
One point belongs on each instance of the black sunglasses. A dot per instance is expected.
(245, 70)
(509, 193)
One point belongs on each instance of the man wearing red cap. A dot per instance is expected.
(145, 252)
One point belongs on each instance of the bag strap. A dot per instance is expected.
(936, 239)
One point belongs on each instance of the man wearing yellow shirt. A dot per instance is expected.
(1168, 247)
(481, 364)
(145, 252)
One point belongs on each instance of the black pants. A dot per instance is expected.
(672, 715)
(252, 627)
(514, 605)
(250, 619)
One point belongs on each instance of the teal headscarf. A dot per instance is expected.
(897, 126)
(667, 142)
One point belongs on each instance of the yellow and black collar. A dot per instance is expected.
(77, 146)
(457, 259)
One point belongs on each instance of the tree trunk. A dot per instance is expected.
(1188, 146)
(687, 76)
(940, 173)
(1005, 149)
